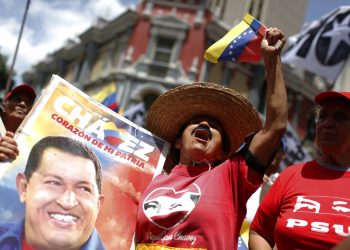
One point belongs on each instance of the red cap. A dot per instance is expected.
(24, 88)
(322, 97)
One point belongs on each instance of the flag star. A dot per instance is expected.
(240, 242)
(234, 41)
(230, 52)
(340, 32)
(244, 33)
(239, 37)
(250, 31)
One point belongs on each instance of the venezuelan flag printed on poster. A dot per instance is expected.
(108, 97)
(244, 236)
(240, 44)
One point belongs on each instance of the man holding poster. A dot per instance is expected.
(15, 107)
(61, 190)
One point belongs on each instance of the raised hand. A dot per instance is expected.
(8, 147)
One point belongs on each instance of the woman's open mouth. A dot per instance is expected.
(202, 133)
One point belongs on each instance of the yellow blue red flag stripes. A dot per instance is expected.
(108, 97)
(111, 102)
(241, 43)
(243, 236)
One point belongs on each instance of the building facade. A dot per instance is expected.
(160, 45)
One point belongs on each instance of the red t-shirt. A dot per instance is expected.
(308, 207)
(194, 207)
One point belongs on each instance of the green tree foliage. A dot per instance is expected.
(4, 71)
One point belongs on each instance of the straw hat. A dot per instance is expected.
(175, 108)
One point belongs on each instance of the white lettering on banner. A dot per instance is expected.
(74, 113)
(60, 103)
(96, 128)
(129, 146)
(145, 149)
(320, 227)
(163, 236)
(77, 114)
(66, 107)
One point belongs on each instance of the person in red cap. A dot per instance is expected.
(308, 207)
(15, 107)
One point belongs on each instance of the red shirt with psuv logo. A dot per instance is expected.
(196, 208)
(308, 207)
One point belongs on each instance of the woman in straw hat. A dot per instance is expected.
(202, 202)
(308, 206)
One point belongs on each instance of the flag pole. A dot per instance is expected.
(331, 86)
(8, 83)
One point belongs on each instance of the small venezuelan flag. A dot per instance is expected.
(241, 44)
(111, 102)
(108, 97)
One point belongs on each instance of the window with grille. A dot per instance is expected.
(162, 56)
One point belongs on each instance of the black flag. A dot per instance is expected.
(323, 46)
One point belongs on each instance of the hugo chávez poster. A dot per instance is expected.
(130, 156)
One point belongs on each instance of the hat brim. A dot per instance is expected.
(328, 95)
(24, 88)
(176, 107)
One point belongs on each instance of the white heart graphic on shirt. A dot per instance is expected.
(166, 208)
